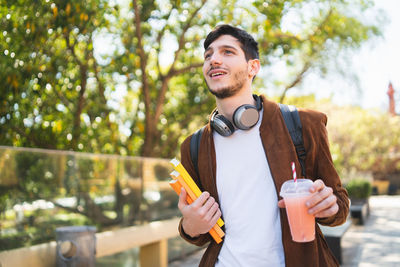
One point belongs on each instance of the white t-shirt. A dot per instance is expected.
(248, 201)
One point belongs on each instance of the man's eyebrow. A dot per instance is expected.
(221, 47)
(229, 46)
(208, 49)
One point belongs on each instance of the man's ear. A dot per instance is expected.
(253, 67)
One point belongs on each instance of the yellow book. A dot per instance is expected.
(177, 176)
(177, 183)
(216, 232)
(190, 183)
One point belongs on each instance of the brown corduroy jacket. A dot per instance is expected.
(280, 152)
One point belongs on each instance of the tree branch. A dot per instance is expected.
(172, 71)
(71, 47)
(81, 102)
(96, 74)
(319, 27)
(296, 81)
(73, 210)
(143, 59)
(181, 41)
(164, 85)
(30, 137)
(307, 65)
(159, 37)
(287, 36)
(64, 100)
(176, 72)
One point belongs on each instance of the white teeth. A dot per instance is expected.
(217, 73)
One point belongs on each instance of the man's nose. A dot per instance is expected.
(215, 59)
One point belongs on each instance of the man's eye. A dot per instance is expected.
(228, 52)
(207, 56)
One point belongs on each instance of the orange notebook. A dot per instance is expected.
(176, 185)
(216, 232)
(187, 182)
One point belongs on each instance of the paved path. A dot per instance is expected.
(377, 243)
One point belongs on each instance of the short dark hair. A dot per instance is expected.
(247, 42)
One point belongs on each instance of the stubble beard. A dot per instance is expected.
(239, 80)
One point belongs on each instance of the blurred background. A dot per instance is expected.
(97, 96)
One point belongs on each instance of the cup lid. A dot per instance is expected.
(302, 186)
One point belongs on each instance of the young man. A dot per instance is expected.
(245, 156)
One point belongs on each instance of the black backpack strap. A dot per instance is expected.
(293, 124)
(194, 148)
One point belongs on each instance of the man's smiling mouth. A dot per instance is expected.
(216, 73)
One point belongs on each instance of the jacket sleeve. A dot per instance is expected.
(187, 163)
(324, 169)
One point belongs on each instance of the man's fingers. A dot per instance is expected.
(317, 186)
(208, 204)
(327, 212)
(319, 196)
(211, 211)
(323, 202)
(199, 202)
(182, 199)
(326, 207)
(281, 204)
(215, 217)
(201, 215)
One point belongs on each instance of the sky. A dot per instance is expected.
(376, 64)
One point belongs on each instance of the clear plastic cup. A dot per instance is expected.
(302, 224)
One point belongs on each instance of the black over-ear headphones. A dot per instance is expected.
(244, 118)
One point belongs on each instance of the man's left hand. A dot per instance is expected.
(323, 202)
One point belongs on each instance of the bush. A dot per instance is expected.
(359, 189)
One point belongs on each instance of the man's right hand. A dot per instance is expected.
(200, 216)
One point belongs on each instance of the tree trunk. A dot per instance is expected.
(76, 131)
(94, 212)
(149, 138)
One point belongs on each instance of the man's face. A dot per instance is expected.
(225, 68)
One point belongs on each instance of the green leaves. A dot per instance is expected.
(361, 140)
(124, 77)
(359, 189)
(48, 73)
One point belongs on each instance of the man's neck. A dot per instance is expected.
(227, 106)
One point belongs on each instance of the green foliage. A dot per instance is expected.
(47, 189)
(361, 140)
(368, 140)
(317, 34)
(145, 92)
(39, 232)
(50, 98)
(359, 189)
(36, 175)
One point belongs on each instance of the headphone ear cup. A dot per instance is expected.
(245, 117)
(222, 125)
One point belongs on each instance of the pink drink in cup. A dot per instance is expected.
(302, 224)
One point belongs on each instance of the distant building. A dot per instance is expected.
(392, 103)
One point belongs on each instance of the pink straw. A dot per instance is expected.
(294, 172)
